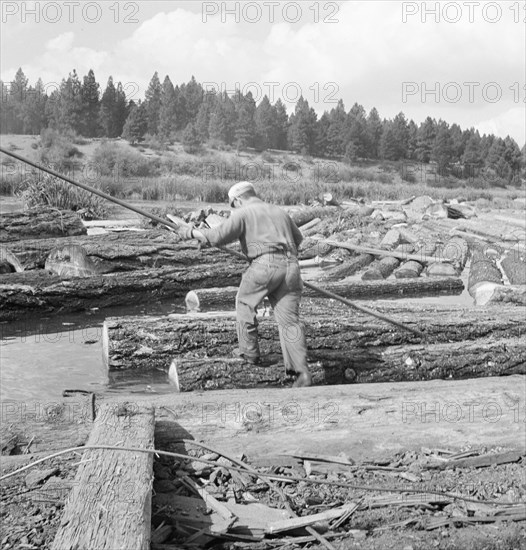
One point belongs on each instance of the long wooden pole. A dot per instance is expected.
(175, 227)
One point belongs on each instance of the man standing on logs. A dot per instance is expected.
(270, 239)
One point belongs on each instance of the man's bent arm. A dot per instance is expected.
(226, 233)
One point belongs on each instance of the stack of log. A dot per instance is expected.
(195, 349)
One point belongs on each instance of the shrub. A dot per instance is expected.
(111, 158)
(51, 191)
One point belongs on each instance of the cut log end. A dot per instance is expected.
(192, 301)
(173, 376)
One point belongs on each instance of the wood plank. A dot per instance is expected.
(479, 461)
(305, 521)
(109, 507)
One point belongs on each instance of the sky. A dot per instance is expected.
(463, 62)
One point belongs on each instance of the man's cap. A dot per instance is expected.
(239, 189)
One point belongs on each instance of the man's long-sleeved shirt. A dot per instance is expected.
(261, 228)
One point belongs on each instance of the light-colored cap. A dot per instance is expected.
(239, 189)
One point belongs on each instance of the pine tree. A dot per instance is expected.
(181, 115)
(121, 110)
(472, 159)
(425, 140)
(223, 120)
(442, 152)
(69, 109)
(107, 111)
(35, 109)
(374, 133)
(265, 119)
(16, 98)
(193, 94)
(191, 140)
(458, 143)
(322, 135)
(303, 128)
(401, 134)
(89, 92)
(357, 130)
(203, 115)
(389, 149)
(412, 142)
(282, 125)
(245, 108)
(337, 133)
(167, 115)
(153, 104)
(136, 124)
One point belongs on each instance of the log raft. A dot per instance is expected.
(343, 348)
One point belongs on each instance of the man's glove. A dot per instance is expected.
(185, 232)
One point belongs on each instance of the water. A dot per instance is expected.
(42, 357)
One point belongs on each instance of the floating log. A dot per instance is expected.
(484, 276)
(513, 221)
(456, 250)
(224, 297)
(9, 261)
(71, 261)
(379, 252)
(390, 240)
(514, 266)
(40, 223)
(303, 216)
(409, 270)
(362, 422)
(458, 360)
(348, 268)
(122, 251)
(310, 227)
(25, 293)
(509, 295)
(335, 339)
(382, 269)
(110, 504)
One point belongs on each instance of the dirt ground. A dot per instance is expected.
(26, 521)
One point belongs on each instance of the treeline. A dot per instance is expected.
(195, 116)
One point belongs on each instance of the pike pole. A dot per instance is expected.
(175, 227)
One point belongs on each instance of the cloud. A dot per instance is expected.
(512, 122)
(368, 55)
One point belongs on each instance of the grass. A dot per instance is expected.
(144, 173)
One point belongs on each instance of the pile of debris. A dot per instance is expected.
(291, 500)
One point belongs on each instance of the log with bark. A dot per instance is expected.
(122, 251)
(458, 360)
(484, 275)
(40, 223)
(409, 270)
(342, 348)
(381, 269)
(33, 292)
(514, 266)
(509, 295)
(348, 268)
(224, 297)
